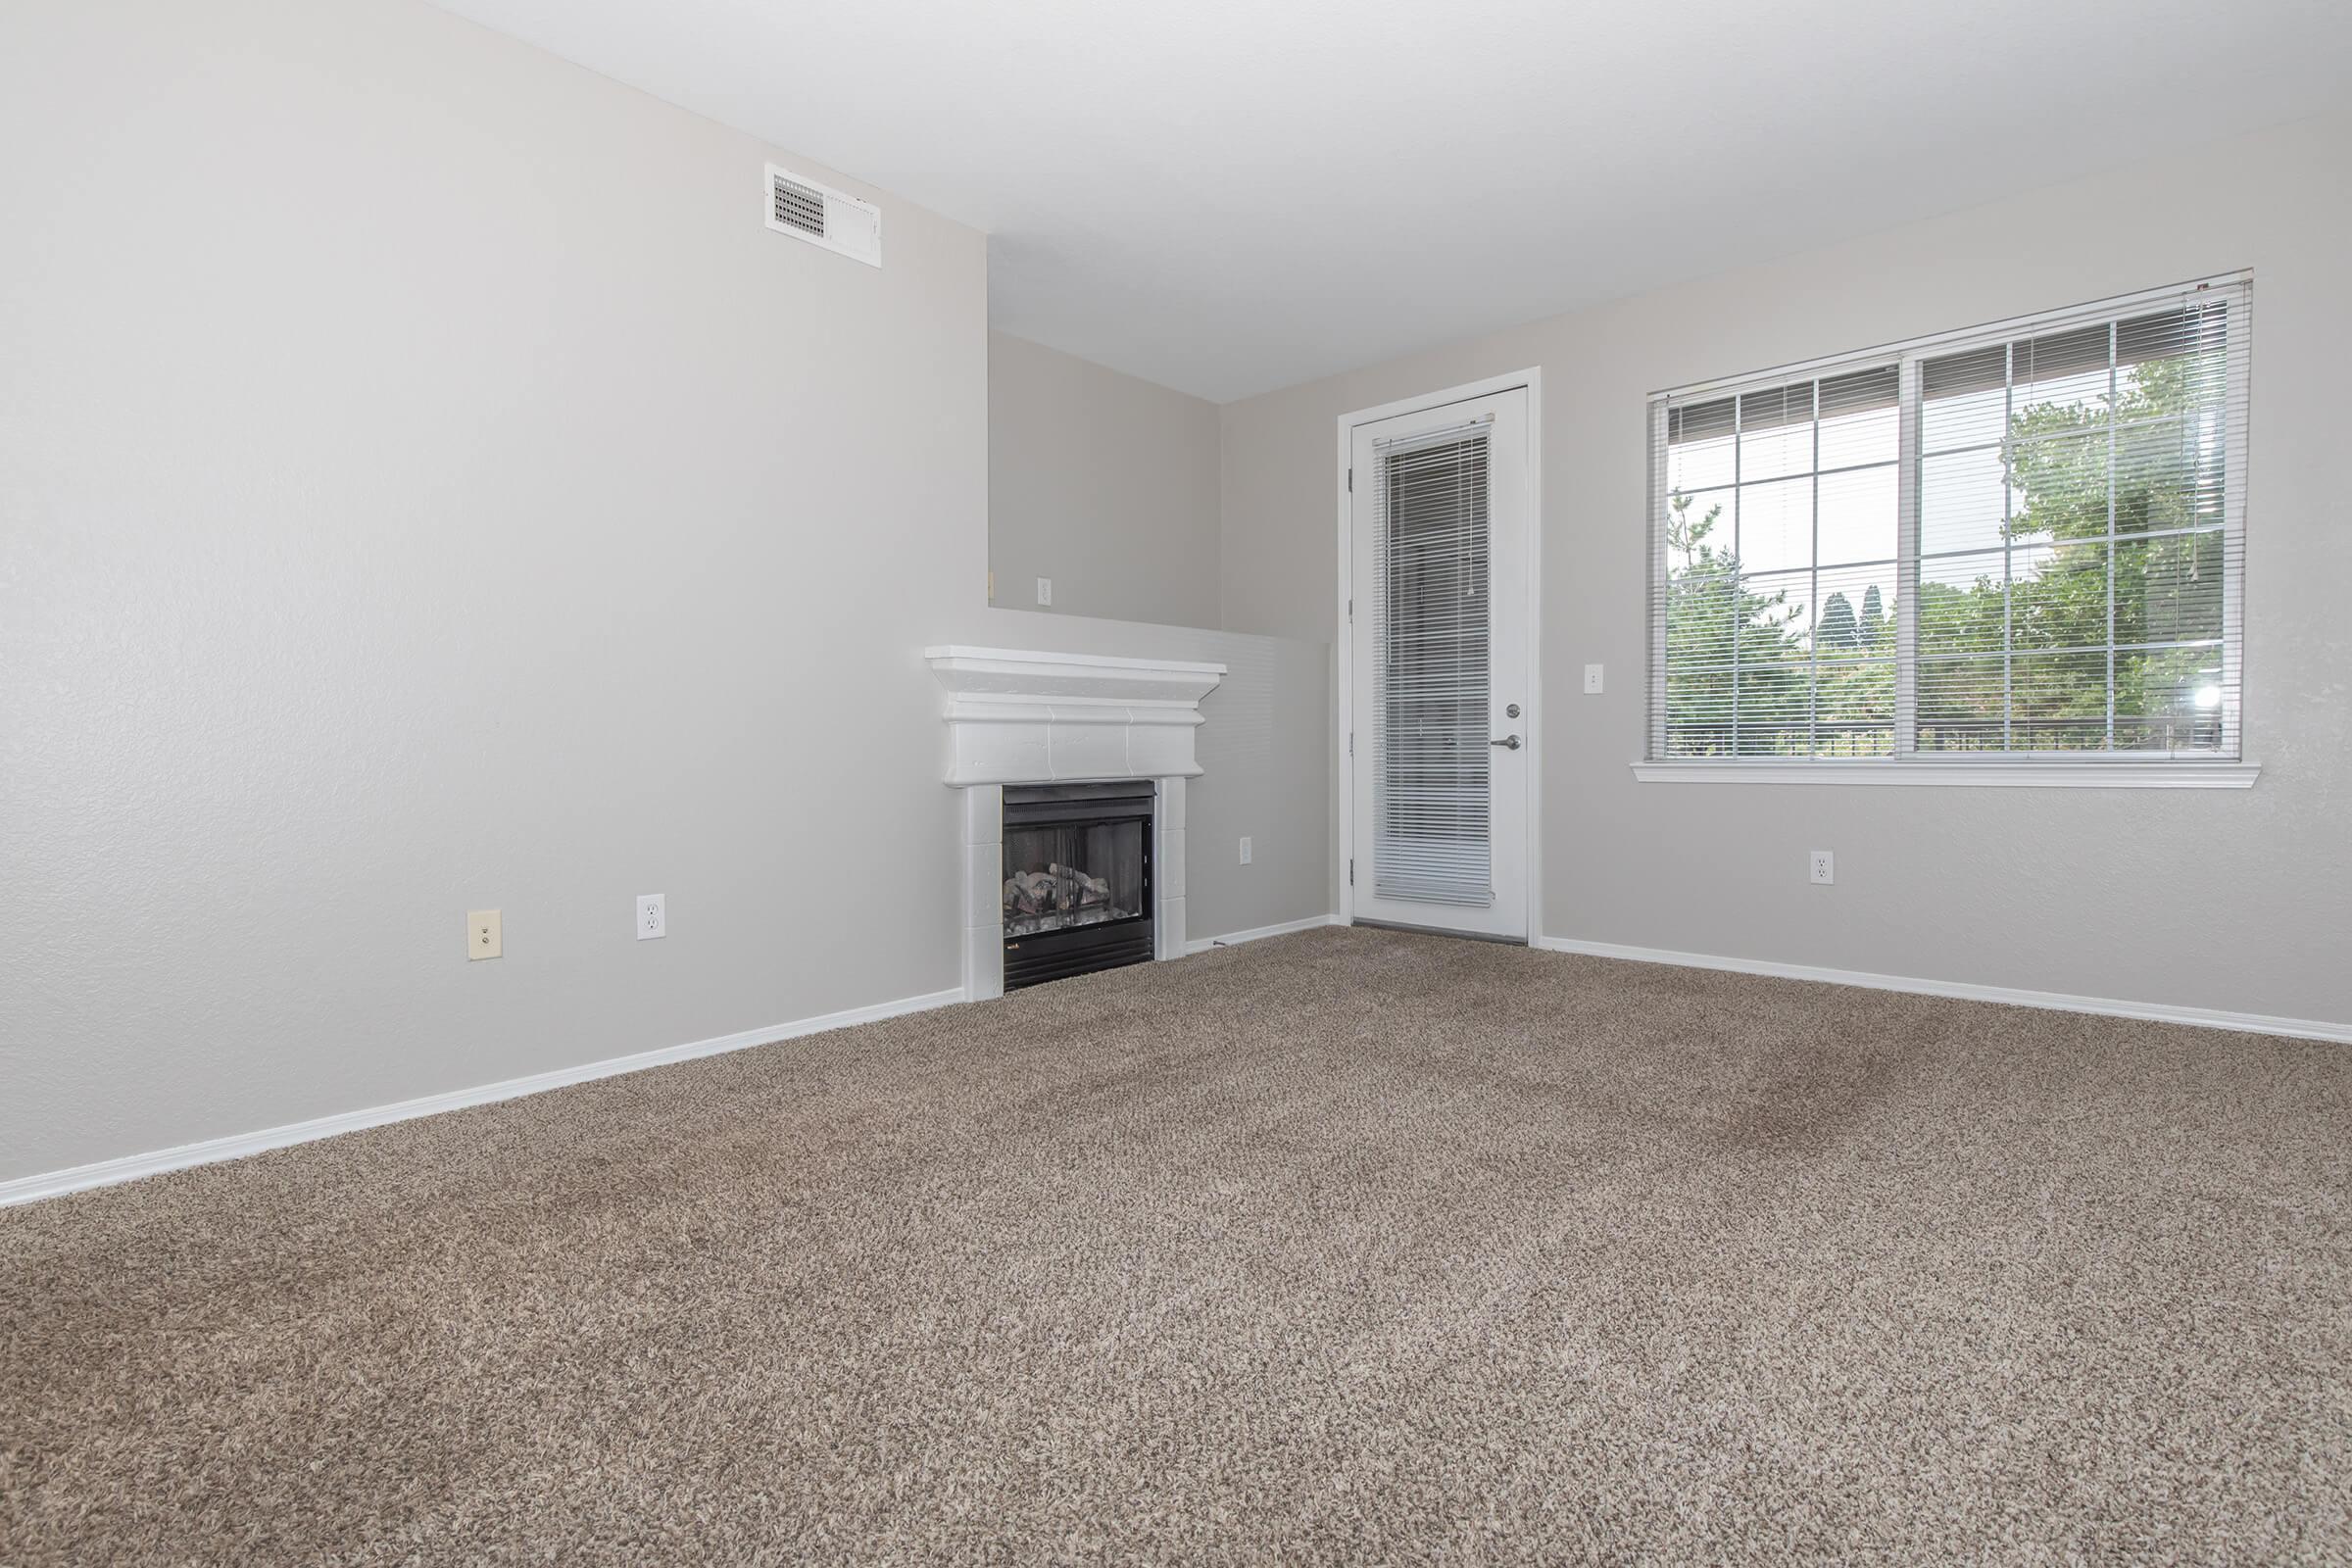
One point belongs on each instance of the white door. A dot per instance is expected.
(1438, 632)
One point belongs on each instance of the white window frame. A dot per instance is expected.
(2101, 771)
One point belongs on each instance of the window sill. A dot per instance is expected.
(2155, 773)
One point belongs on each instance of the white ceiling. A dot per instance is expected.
(1228, 196)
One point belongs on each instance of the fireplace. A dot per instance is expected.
(1077, 890)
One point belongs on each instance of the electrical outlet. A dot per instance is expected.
(1245, 851)
(653, 917)
(1045, 590)
(483, 939)
(1592, 680)
(1822, 867)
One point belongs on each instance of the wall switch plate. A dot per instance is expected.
(653, 916)
(1592, 679)
(1245, 851)
(1045, 590)
(483, 939)
(1822, 867)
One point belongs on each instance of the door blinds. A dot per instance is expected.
(2020, 542)
(1429, 627)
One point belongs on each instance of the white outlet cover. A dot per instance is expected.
(1245, 852)
(1592, 679)
(653, 916)
(485, 937)
(1045, 590)
(1821, 866)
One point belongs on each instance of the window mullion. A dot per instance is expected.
(1906, 570)
(2113, 414)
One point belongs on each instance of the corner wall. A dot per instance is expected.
(1103, 482)
(2225, 899)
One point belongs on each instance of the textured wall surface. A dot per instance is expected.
(1103, 482)
(425, 485)
(2237, 901)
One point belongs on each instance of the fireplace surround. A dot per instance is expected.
(1019, 720)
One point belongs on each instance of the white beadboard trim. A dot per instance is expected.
(1255, 933)
(2152, 1011)
(2118, 775)
(130, 1168)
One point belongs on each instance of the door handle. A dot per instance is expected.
(1509, 741)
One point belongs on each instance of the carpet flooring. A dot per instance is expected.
(1346, 1246)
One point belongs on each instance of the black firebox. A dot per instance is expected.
(1077, 879)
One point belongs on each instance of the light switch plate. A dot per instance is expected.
(484, 938)
(1045, 590)
(1592, 680)
(1245, 852)
(653, 916)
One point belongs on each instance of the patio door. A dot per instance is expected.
(1440, 637)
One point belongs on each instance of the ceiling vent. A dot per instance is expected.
(808, 210)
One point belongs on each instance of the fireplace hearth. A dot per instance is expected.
(1077, 890)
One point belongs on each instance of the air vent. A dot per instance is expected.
(808, 210)
(800, 207)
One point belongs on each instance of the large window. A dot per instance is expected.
(2014, 544)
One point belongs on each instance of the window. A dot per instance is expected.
(2017, 545)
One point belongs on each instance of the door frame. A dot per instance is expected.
(1530, 380)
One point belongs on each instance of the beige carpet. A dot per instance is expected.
(1348, 1246)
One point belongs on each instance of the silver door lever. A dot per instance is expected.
(1510, 740)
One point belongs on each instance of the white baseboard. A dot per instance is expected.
(2153, 1011)
(1255, 933)
(130, 1168)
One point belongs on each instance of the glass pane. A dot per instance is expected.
(2061, 377)
(1859, 518)
(1060, 875)
(1700, 465)
(1700, 614)
(1960, 704)
(2171, 362)
(1775, 707)
(1857, 612)
(2168, 473)
(1854, 710)
(1860, 421)
(1961, 501)
(1776, 526)
(2168, 590)
(2058, 701)
(1432, 785)
(1699, 529)
(2058, 596)
(2167, 701)
(2061, 486)
(1964, 399)
(1778, 613)
(1960, 604)
(1775, 432)
(1698, 713)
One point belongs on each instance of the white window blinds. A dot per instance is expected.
(1432, 793)
(2025, 541)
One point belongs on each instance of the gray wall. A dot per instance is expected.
(1103, 482)
(2237, 901)
(424, 486)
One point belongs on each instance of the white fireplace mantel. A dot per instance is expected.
(1017, 717)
